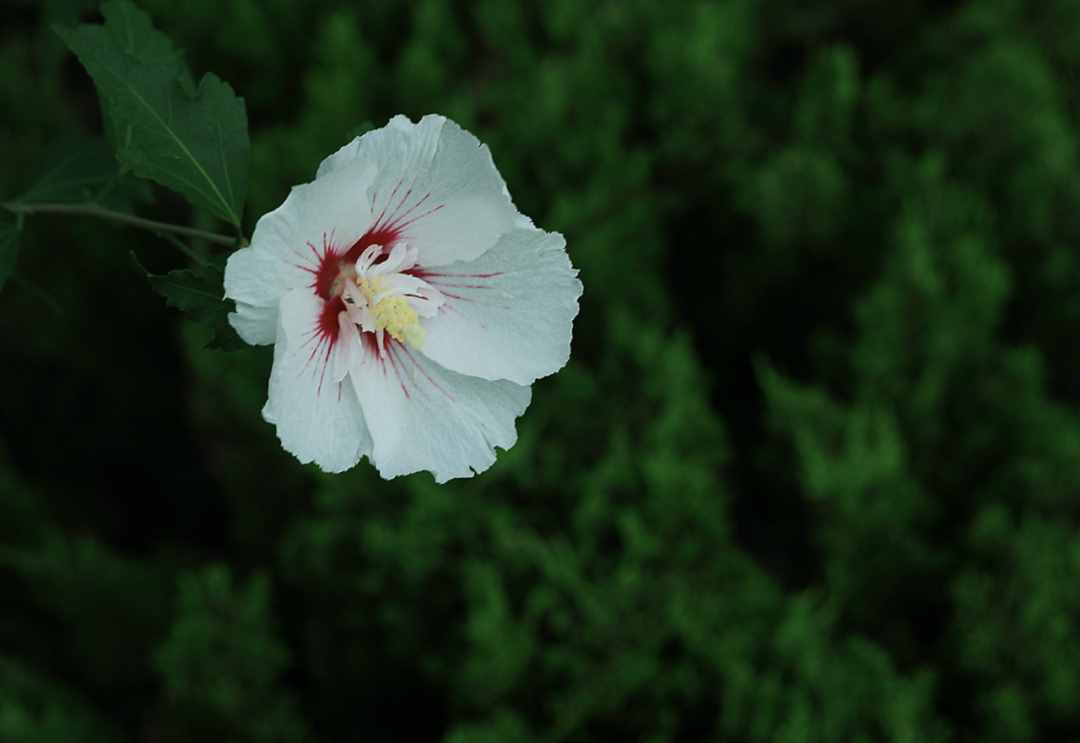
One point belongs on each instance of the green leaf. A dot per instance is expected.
(191, 139)
(198, 292)
(9, 248)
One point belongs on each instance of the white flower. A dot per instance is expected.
(410, 305)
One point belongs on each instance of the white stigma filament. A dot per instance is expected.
(382, 299)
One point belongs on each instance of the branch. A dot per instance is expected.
(93, 210)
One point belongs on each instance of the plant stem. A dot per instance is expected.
(93, 210)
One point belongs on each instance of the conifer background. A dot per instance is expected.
(812, 474)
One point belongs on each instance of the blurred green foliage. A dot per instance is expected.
(812, 475)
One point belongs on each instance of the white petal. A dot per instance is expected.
(401, 283)
(256, 325)
(350, 351)
(394, 262)
(423, 297)
(318, 419)
(509, 314)
(257, 279)
(437, 183)
(424, 417)
(287, 243)
(367, 258)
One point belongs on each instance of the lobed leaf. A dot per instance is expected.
(198, 292)
(192, 139)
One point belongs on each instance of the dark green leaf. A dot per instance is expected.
(192, 139)
(198, 293)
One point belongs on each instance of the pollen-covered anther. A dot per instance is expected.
(396, 317)
(380, 306)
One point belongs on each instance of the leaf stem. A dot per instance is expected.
(94, 210)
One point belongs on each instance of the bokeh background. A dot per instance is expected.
(812, 473)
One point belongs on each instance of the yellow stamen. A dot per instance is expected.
(393, 314)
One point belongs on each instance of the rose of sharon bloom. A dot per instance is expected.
(409, 303)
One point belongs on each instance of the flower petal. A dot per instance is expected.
(318, 419)
(508, 314)
(256, 325)
(287, 245)
(424, 417)
(436, 183)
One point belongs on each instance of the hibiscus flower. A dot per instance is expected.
(409, 303)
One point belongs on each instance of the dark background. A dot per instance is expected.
(812, 473)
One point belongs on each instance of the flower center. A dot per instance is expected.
(392, 314)
(382, 299)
